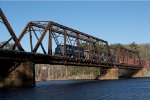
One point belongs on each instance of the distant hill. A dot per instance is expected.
(144, 51)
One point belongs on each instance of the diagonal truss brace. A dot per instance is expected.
(9, 28)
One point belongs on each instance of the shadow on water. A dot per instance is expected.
(129, 89)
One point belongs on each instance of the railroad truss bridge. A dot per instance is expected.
(47, 42)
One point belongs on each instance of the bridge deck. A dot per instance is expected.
(37, 58)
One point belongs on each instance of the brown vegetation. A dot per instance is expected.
(61, 72)
(145, 51)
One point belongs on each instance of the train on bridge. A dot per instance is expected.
(47, 42)
(122, 57)
(65, 45)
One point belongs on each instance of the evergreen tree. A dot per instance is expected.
(134, 46)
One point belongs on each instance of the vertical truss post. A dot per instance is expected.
(139, 58)
(124, 53)
(117, 54)
(78, 43)
(98, 52)
(127, 58)
(108, 49)
(65, 44)
(31, 44)
(92, 49)
(89, 49)
(50, 42)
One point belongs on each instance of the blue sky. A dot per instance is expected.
(113, 21)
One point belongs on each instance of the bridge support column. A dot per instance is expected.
(138, 73)
(108, 73)
(130, 73)
(23, 75)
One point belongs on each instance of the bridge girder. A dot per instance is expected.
(96, 51)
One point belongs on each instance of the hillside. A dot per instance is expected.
(144, 51)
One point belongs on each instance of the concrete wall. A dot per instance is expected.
(108, 73)
(116, 73)
(130, 73)
(23, 75)
(146, 71)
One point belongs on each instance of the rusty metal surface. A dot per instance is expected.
(126, 56)
(69, 37)
(53, 43)
(13, 36)
(20, 56)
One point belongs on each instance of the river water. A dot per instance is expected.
(127, 89)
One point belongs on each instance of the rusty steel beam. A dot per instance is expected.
(6, 23)
(68, 33)
(67, 28)
(62, 26)
(22, 34)
(31, 46)
(70, 37)
(65, 44)
(41, 38)
(38, 40)
(134, 55)
(50, 43)
(20, 56)
(73, 38)
(78, 46)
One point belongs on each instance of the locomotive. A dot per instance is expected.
(71, 51)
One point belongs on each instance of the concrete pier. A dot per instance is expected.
(138, 73)
(21, 76)
(130, 73)
(108, 73)
(116, 73)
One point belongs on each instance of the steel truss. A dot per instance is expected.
(42, 38)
